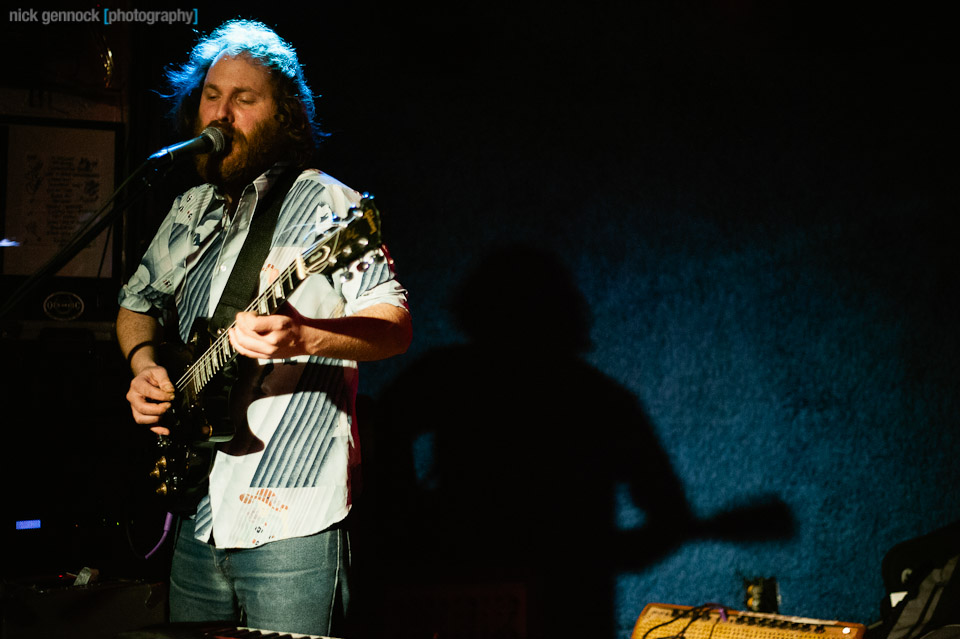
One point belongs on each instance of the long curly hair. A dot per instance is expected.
(295, 103)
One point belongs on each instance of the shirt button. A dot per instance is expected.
(223, 267)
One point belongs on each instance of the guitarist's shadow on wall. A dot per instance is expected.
(499, 460)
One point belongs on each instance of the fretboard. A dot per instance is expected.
(342, 244)
(221, 352)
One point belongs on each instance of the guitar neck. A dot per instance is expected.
(221, 351)
(350, 237)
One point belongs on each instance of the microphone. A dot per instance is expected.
(210, 140)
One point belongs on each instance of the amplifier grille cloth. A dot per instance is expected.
(722, 623)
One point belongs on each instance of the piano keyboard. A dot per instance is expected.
(253, 633)
(210, 631)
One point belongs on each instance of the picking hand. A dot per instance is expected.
(150, 396)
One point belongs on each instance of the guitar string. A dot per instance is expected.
(221, 343)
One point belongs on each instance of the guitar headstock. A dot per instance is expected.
(349, 239)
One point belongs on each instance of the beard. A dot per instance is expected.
(244, 158)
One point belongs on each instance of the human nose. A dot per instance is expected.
(223, 112)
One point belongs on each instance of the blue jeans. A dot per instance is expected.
(292, 585)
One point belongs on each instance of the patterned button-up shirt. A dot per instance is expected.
(298, 483)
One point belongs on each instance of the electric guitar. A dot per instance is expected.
(214, 388)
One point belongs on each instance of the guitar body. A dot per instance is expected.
(201, 415)
(215, 386)
(197, 421)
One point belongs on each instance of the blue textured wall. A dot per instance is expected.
(752, 209)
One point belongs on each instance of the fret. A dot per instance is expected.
(284, 288)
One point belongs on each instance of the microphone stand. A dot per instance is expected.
(82, 238)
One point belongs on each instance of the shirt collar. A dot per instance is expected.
(269, 178)
(262, 184)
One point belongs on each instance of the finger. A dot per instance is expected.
(249, 345)
(152, 409)
(144, 418)
(146, 412)
(145, 389)
(243, 319)
(245, 332)
(248, 322)
(263, 325)
(161, 379)
(166, 386)
(153, 383)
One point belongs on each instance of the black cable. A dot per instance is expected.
(694, 616)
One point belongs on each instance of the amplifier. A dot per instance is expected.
(712, 621)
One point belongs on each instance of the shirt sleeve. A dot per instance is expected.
(314, 201)
(376, 285)
(153, 284)
(192, 221)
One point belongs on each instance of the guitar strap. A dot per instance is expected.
(243, 284)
